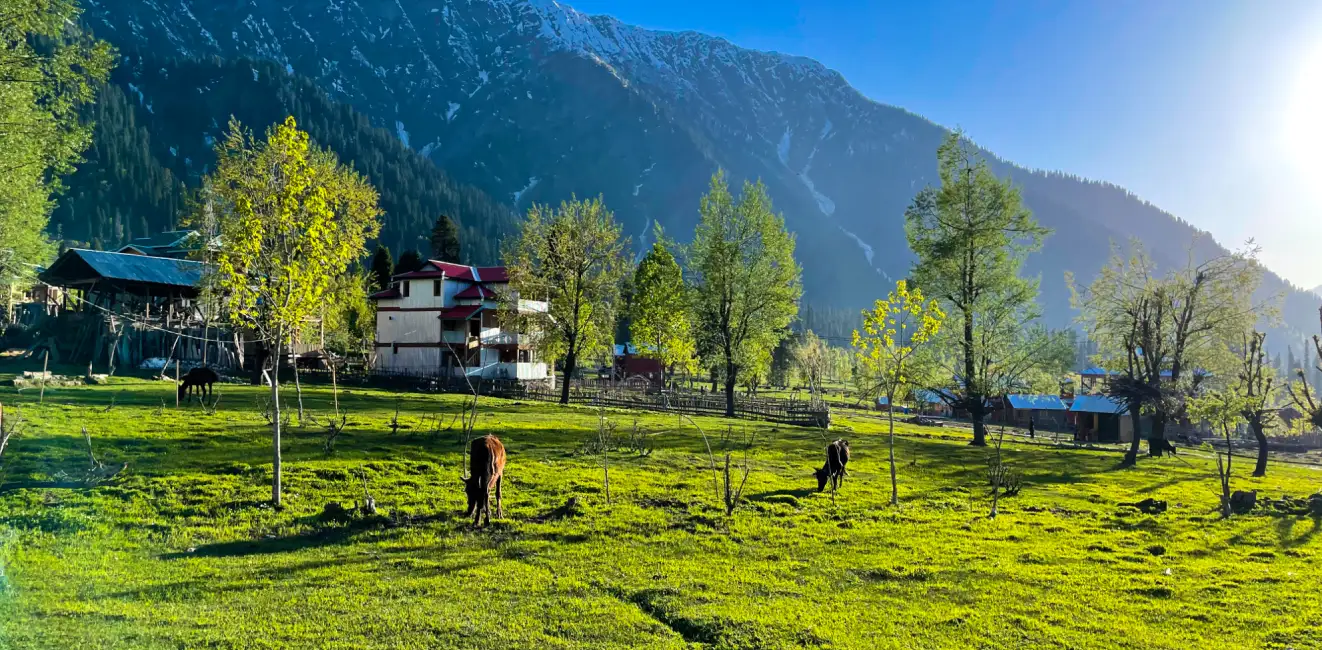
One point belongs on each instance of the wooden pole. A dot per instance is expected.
(44, 365)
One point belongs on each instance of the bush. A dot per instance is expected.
(16, 336)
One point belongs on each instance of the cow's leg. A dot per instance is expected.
(500, 507)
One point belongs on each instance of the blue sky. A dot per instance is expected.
(1209, 109)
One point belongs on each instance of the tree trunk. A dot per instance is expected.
(976, 412)
(1261, 468)
(275, 425)
(729, 389)
(298, 389)
(1131, 456)
(1157, 441)
(570, 362)
(890, 411)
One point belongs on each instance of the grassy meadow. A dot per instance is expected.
(181, 550)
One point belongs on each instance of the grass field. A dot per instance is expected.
(180, 551)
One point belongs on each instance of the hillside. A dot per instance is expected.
(531, 100)
(156, 123)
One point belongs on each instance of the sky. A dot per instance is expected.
(1209, 109)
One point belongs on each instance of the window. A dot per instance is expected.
(524, 357)
(394, 348)
(404, 287)
(435, 287)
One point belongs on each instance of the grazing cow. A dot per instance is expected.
(200, 378)
(837, 456)
(486, 461)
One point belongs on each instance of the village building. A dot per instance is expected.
(121, 308)
(1101, 419)
(443, 321)
(1044, 411)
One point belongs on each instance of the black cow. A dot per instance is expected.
(200, 378)
(837, 456)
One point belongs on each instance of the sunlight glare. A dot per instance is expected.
(1303, 117)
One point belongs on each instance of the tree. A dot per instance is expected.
(745, 279)
(445, 240)
(659, 325)
(291, 220)
(889, 350)
(383, 267)
(1258, 393)
(1223, 408)
(971, 236)
(49, 71)
(812, 357)
(409, 261)
(1165, 334)
(1305, 397)
(574, 259)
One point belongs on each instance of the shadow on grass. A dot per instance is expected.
(774, 495)
(1285, 530)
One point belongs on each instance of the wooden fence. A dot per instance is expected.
(792, 412)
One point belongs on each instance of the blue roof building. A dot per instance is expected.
(1037, 402)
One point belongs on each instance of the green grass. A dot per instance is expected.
(182, 552)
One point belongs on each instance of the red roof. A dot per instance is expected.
(460, 313)
(456, 271)
(392, 292)
(476, 291)
(418, 275)
(493, 274)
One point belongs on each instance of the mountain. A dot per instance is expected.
(156, 123)
(531, 100)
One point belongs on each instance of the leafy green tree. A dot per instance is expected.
(746, 283)
(574, 259)
(659, 311)
(890, 351)
(49, 70)
(812, 358)
(409, 261)
(1164, 334)
(291, 220)
(971, 236)
(445, 240)
(383, 267)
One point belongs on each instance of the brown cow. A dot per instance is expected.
(486, 458)
(837, 456)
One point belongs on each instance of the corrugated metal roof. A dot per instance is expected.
(1037, 402)
(460, 313)
(134, 268)
(1097, 404)
(475, 291)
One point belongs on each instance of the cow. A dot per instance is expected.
(486, 461)
(837, 456)
(200, 378)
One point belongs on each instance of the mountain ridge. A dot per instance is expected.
(532, 100)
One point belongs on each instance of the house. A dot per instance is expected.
(632, 368)
(1045, 411)
(934, 403)
(176, 244)
(129, 307)
(443, 321)
(1101, 419)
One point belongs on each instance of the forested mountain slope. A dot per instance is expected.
(158, 120)
(531, 100)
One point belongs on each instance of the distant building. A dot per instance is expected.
(1101, 419)
(442, 321)
(176, 244)
(1045, 411)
